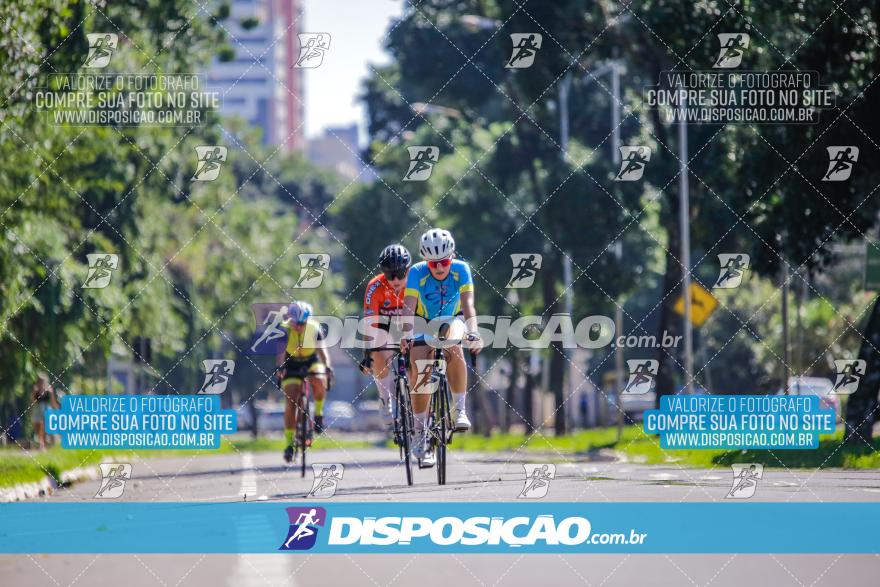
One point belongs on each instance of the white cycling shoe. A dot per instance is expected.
(462, 424)
(421, 451)
(385, 409)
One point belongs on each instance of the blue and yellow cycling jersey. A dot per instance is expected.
(438, 298)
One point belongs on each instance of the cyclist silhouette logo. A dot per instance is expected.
(841, 162)
(632, 162)
(217, 374)
(421, 162)
(849, 373)
(101, 47)
(113, 478)
(733, 267)
(304, 526)
(101, 268)
(641, 376)
(525, 268)
(427, 379)
(745, 480)
(210, 158)
(733, 46)
(312, 269)
(537, 481)
(270, 337)
(327, 478)
(312, 47)
(525, 47)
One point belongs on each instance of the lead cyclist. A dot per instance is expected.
(440, 286)
(384, 298)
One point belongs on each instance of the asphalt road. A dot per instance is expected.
(375, 474)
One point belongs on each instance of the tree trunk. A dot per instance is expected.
(668, 322)
(485, 419)
(528, 407)
(861, 409)
(557, 362)
(550, 270)
(510, 392)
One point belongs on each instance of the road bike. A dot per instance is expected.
(403, 414)
(403, 422)
(305, 427)
(440, 426)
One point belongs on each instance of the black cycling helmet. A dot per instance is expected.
(394, 258)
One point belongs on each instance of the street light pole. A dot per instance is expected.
(618, 246)
(618, 350)
(683, 214)
(615, 111)
(564, 89)
(614, 68)
(785, 359)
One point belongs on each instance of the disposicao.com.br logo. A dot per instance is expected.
(474, 531)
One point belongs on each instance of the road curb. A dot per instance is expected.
(47, 485)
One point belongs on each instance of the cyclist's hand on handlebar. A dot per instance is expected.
(474, 342)
(366, 365)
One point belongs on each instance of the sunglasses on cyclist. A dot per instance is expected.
(441, 263)
(399, 274)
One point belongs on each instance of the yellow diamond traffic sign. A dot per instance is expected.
(703, 303)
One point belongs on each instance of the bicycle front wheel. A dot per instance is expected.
(443, 432)
(405, 425)
(304, 425)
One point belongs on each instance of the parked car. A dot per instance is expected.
(369, 416)
(634, 405)
(340, 416)
(270, 416)
(821, 386)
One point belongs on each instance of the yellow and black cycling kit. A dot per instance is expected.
(301, 354)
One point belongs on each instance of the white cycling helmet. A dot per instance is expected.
(299, 312)
(436, 244)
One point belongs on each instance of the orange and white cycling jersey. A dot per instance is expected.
(380, 299)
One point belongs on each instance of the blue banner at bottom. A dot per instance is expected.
(404, 527)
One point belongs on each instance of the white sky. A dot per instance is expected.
(357, 30)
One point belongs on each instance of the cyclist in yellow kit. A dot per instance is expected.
(303, 358)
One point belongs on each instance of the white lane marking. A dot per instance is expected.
(259, 570)
(248, 477)
(663, 476)
(256, 570)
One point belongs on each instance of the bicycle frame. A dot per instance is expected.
(302, 421)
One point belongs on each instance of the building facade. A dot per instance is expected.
(260, 83)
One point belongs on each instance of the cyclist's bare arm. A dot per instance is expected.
(470, 319)
(279, 360)
(406, 321)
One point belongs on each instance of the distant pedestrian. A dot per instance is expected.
(584, 406)
(43, 397)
